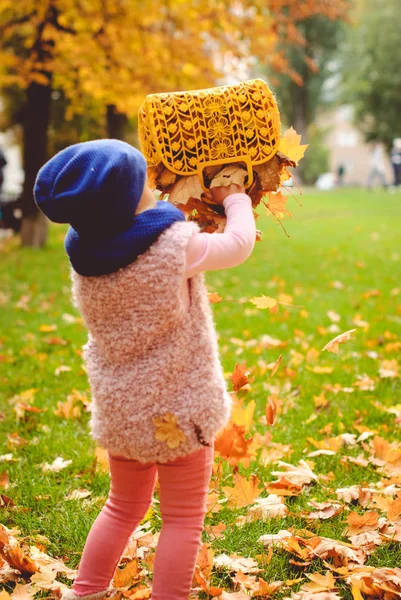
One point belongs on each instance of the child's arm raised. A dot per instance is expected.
(213, 251)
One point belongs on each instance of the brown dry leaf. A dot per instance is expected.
(22, 592)
(389, 369)
(378, 583)
(57, 465)
(204, 559)
(231, 444)
(341, 553)
(333, 345)
(17, 559)
(228, 175)
(269, 174)
(314, 596)
(141, 593)
(283, 487)
(244, 491)
(290, 145)
(4, 480)
(186, 188)
(235, 562)
(394, 511)
(240, 377)
(78, 494)
(300, 475)
(265, 508)
(271, 409)
(357, 523)
(266, 589)
(325, 510)
(215, 531)
(201, 581)
(166, 178)
(275, 366)
(234, 596)
(319, 582)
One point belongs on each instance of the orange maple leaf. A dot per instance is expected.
(358, 523)
(290, 145)
(244, 491)
(230, 443)
(240, 377)
(271, 409)
(276, 205)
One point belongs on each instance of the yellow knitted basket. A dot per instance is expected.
(188, 131)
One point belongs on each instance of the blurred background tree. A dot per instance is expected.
(72, 71)
(374, 89)
(300, 92)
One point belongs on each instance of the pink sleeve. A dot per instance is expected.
(213, 251)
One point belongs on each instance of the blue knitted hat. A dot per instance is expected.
(96, 188)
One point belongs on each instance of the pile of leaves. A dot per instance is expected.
(187, 193)
(373, 513)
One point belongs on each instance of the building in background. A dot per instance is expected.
(348, 148)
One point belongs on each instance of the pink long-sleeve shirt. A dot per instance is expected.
(214, 251)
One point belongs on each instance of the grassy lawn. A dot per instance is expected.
(341, 265)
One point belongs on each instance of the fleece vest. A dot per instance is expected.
(158, 390)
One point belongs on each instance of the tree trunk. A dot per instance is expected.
(36, 116)
(116, 123)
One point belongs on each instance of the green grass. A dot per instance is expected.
(348, 236)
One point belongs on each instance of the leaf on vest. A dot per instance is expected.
(167, 430)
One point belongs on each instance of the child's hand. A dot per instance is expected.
(219, 194)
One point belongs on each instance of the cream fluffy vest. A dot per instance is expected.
(147, 355)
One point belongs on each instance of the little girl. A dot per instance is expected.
(159, 395)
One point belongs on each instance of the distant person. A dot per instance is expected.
(396, 161)
(377, 165)
(340, 174)
(3, 163)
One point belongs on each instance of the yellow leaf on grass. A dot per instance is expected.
(243, 416)
(332, 346)
(290, 145)
(244, 491)
(124, 577)
(47, 328)
(167, 430)
(263, 302)
(276, 366)
(214, 297)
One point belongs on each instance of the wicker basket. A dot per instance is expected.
(189, 131)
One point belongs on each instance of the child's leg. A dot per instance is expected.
(184, 484)
(131, 490)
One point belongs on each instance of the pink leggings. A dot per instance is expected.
(184, 484)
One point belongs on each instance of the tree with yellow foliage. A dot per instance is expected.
(117, 51)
